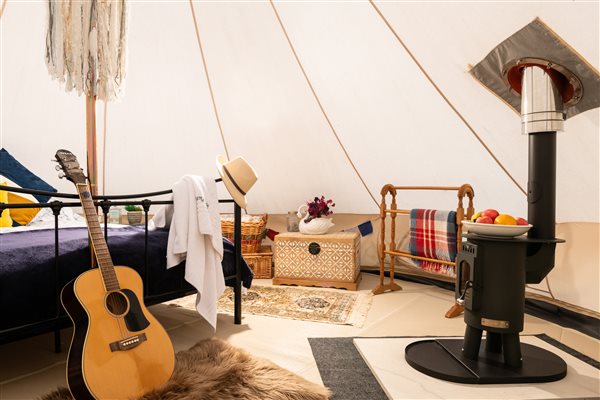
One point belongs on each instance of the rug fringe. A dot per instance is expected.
(359, 313)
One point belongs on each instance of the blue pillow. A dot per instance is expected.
(16, 172)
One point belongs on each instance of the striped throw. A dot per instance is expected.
(433, 235)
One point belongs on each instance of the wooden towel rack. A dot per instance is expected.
(392, 252)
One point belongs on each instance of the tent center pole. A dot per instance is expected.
(92, 161)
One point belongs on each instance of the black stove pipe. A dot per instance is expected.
(541, 209)
(541, 185)
(542, 116)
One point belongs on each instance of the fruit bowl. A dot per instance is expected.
(496, 229)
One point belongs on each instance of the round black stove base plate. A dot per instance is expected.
(443, 359)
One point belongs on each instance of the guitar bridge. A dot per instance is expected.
(128, 343)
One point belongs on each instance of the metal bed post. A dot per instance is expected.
(146, 206)
(56, 207)
(105, 206)
(237, 240)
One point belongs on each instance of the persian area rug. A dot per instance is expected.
(332, 306)
(213, 369)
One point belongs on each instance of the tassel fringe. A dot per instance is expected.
(85, 46)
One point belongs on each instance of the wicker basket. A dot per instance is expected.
(253, 230)
(261, 263)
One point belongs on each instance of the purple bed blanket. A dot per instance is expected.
(28, 283)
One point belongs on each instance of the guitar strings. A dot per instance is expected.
(117, 302)
(120, 320)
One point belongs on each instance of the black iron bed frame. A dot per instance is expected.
(61, 320)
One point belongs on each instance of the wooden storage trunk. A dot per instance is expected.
(261, 263)
(318, 260)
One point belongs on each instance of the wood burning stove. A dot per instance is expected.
(492, 271)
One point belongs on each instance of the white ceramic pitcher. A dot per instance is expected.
(316, 226)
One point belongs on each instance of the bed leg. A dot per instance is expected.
(237, 313)
(57, 346)
(237, 238)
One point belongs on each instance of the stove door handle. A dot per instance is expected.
(461, 300)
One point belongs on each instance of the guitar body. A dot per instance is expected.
(119, 350)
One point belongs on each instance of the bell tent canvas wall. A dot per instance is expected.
(328, 98)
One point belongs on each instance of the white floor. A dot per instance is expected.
(29, 368)
(400, 381)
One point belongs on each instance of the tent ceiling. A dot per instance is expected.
(394, 125)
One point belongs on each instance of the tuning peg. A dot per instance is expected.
(61, 175)
(53, 160)
(57, 167)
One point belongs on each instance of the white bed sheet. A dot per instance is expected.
(67, 218)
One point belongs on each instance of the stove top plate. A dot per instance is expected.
(495, 230)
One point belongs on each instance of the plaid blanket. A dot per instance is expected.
(433, 235)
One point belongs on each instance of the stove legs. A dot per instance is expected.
(506, 343)
(472, 342)
(512, 349)
(493, 342)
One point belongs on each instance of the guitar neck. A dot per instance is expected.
(99, 245)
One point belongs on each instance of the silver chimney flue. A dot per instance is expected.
(542, 107)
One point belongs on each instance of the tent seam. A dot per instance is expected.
(312, 89)
(210, 88)
(436, 87)
(3, 7)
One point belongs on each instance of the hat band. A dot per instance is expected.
(233, 181)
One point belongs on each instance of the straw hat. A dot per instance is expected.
(238, 176)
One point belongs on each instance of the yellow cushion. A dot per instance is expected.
(21, 216)
(5, 219)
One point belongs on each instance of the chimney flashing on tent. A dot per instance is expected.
(536, 44)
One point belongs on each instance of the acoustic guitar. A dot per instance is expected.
(118, 350)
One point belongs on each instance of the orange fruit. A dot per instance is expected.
(505, 219)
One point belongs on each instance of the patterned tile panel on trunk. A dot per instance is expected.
(318, 258)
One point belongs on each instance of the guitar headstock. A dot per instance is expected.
(70, 166)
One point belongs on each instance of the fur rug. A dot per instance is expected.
(215, 370)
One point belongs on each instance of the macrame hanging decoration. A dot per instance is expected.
(85, 45)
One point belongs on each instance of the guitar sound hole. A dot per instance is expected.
(117, 303)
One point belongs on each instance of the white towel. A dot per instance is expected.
(162, 218)
(195, 236)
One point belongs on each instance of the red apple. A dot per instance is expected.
(522, 221)
(484, 220)
(490, 212)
